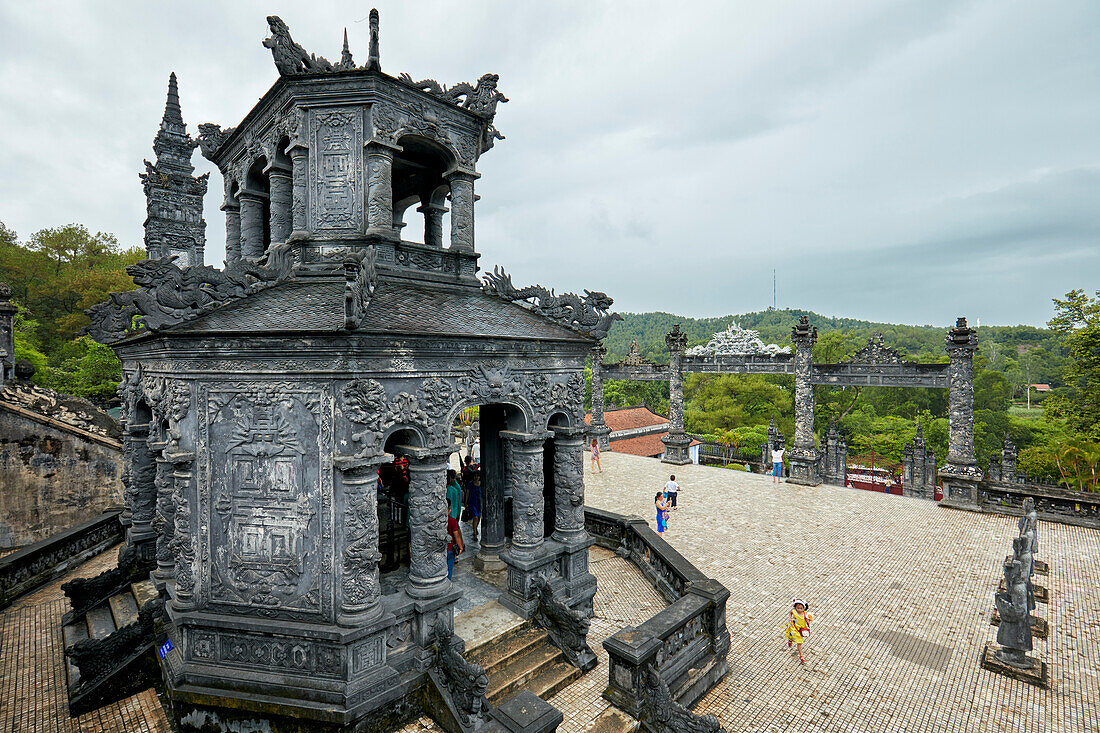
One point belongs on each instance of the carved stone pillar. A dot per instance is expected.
(232, 231)
(433, 224)
(279, 216)
(427, 522)
(165, 519)
(1008, 461)
(528, 554)
(359, 556)
(569, 529)
(462, 209)
(676, 442)
(252, 223)
(961, 474)
(380, 188)
(492, 489)
(803, 454)
(299, 173)
(182, 546)
(599, 429)
(143, 492)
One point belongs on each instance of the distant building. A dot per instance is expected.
(1040, 387)
(638, 431)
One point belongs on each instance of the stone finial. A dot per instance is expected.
(373, 62)
(676, 340)
(962, 336)
(173, 115)
(803, 333)
(346, 61)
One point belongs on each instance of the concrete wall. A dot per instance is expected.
(52, 476)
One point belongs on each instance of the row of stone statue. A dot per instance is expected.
(1015, 601)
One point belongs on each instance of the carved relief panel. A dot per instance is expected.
(266, 500)
(336, 170)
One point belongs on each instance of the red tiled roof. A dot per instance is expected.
(1040, 387)
(629, 418)
(643, 445)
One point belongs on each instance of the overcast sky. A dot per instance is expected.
(896, 161)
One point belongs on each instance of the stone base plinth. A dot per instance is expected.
(1035, 675)
(960, 486)
(677, 449)
(1039, 626)
(1042, 595)
(523, 566)
(803, 466)
(1039, 566)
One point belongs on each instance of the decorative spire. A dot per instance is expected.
(173, 115)
(373, 63)
(346, 61)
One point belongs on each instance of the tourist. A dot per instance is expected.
(596, 457)
(798, 628)
(473, 504)
(454, 545)
(671, 489)
(662, 512)
(454, 494)
(777, 463)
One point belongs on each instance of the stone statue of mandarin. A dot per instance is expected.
(1014, 633)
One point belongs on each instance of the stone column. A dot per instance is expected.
(232, 231)
(599, 429)
(960, 473)
(803, 454)
(492, 489)
(1008, 461)
(182, 546)
(165, 519)
(143, 493)
(676, 442)
(427, 522)
(7, 334)
(252, 223)
(462, 209)
(569, 529)
(360, 590)
(299, 187)
(279, 217)
(433, 224)
(528, 554)
(379, 156)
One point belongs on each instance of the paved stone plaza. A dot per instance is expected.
(901, 592)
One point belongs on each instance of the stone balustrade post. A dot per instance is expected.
(462, 209)
(280, 182)
(360, 596)
(252, 223)
(803, 454)
(677, 443)
(960, 473)
(427, 522)
(299, 186)
(599, 429)
(379, 156)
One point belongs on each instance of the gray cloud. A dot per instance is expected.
(905, 160)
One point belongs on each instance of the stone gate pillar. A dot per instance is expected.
(803, 454)
(960, 473)
(427, 522)
(380, 188)
(462, 209)
(569, 515)
(599, 429)
(527, 555)
(676, 442)
(358, 553)
(279, 218)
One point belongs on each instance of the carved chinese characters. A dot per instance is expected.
(336, 195)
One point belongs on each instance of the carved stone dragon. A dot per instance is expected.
(96, 657)
(290, 58)
(590, 315)
(481, 99)
(466, 682)
(661, 714)
(211, 138)
(566, 627)
(168, 295)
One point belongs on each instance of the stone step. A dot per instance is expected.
(100, 622)
(612, 720)
(493, 655)
(72, 633)
(519, 671)
(124, 609)
(554, 679)
(143, 591)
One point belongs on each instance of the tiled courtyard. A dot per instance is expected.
(901, 592)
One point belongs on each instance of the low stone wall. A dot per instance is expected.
(1052, 504)
(26, 569)
(687, 642)
(54, 475)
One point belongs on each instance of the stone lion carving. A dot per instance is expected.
(590, 315)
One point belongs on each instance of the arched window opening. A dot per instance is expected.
(418, 177)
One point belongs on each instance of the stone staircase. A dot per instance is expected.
(122, 655)
(523, 659)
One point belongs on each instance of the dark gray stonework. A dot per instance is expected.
(835, 457)
(7, 335)
(677, 442)
(803, 454)
(960, 474)
(918, 468)
(598, 430)
(260, 399)
(174, 226)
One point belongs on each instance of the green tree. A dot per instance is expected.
(1077, 321)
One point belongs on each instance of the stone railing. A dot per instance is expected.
(685, 643)
(30, 567)
(727, 453)
(1052, 503)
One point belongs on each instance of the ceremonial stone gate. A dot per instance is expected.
(740, 351)
(259, 400)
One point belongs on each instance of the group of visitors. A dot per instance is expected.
(463, 503)
(665, 501)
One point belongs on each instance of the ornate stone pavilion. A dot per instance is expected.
(260, 399)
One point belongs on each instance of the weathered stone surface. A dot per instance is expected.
(736, 341)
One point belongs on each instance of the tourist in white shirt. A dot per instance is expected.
(777, 463)
(670, 491)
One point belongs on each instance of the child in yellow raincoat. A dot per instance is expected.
(799, 626)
